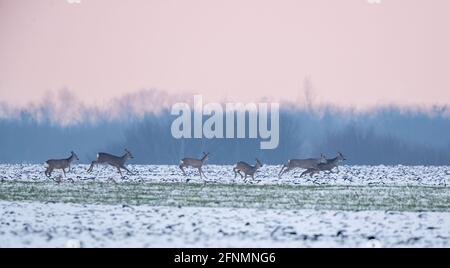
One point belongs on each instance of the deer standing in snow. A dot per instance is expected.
(247, 169)
(329, 165)
(115, 161)
(309, 163)
(59, 164)
(195, 163)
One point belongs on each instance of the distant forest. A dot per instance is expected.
(388, 136)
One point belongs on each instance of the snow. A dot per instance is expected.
(29, 224)
(267, 175)
(180, 217)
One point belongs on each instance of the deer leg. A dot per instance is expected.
(128, 171)
(305, 172)
(64, 171)
(287, 169)
(235, 173)
(92, 166)
(281, 171)
(201, 171)
(120, 172)
(242, 176)
(182, 169)
(309, 171)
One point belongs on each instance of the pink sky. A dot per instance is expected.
(355, 53)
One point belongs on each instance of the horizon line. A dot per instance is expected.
(64, 108)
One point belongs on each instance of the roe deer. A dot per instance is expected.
(328, 166)
(115, 161)
(302, 163)
(59, 164)
(195, 163)
(247, 169)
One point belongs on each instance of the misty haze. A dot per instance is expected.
(121, 125)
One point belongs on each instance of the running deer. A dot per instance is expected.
(59, 164)
(328, 166)
(302, 163)
(247, 169)
(115, 161)
(195, 163)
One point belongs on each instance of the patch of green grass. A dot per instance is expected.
(398, 198)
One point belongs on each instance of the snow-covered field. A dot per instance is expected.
(53, 225)
(361, 206)
(347, 175)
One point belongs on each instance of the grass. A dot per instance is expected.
(396, 198)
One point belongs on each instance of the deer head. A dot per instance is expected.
(258, 163)
(128, 154)
(341, 156)
(74, 155)
(205, 156)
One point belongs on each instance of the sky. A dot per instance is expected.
(354, 53)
